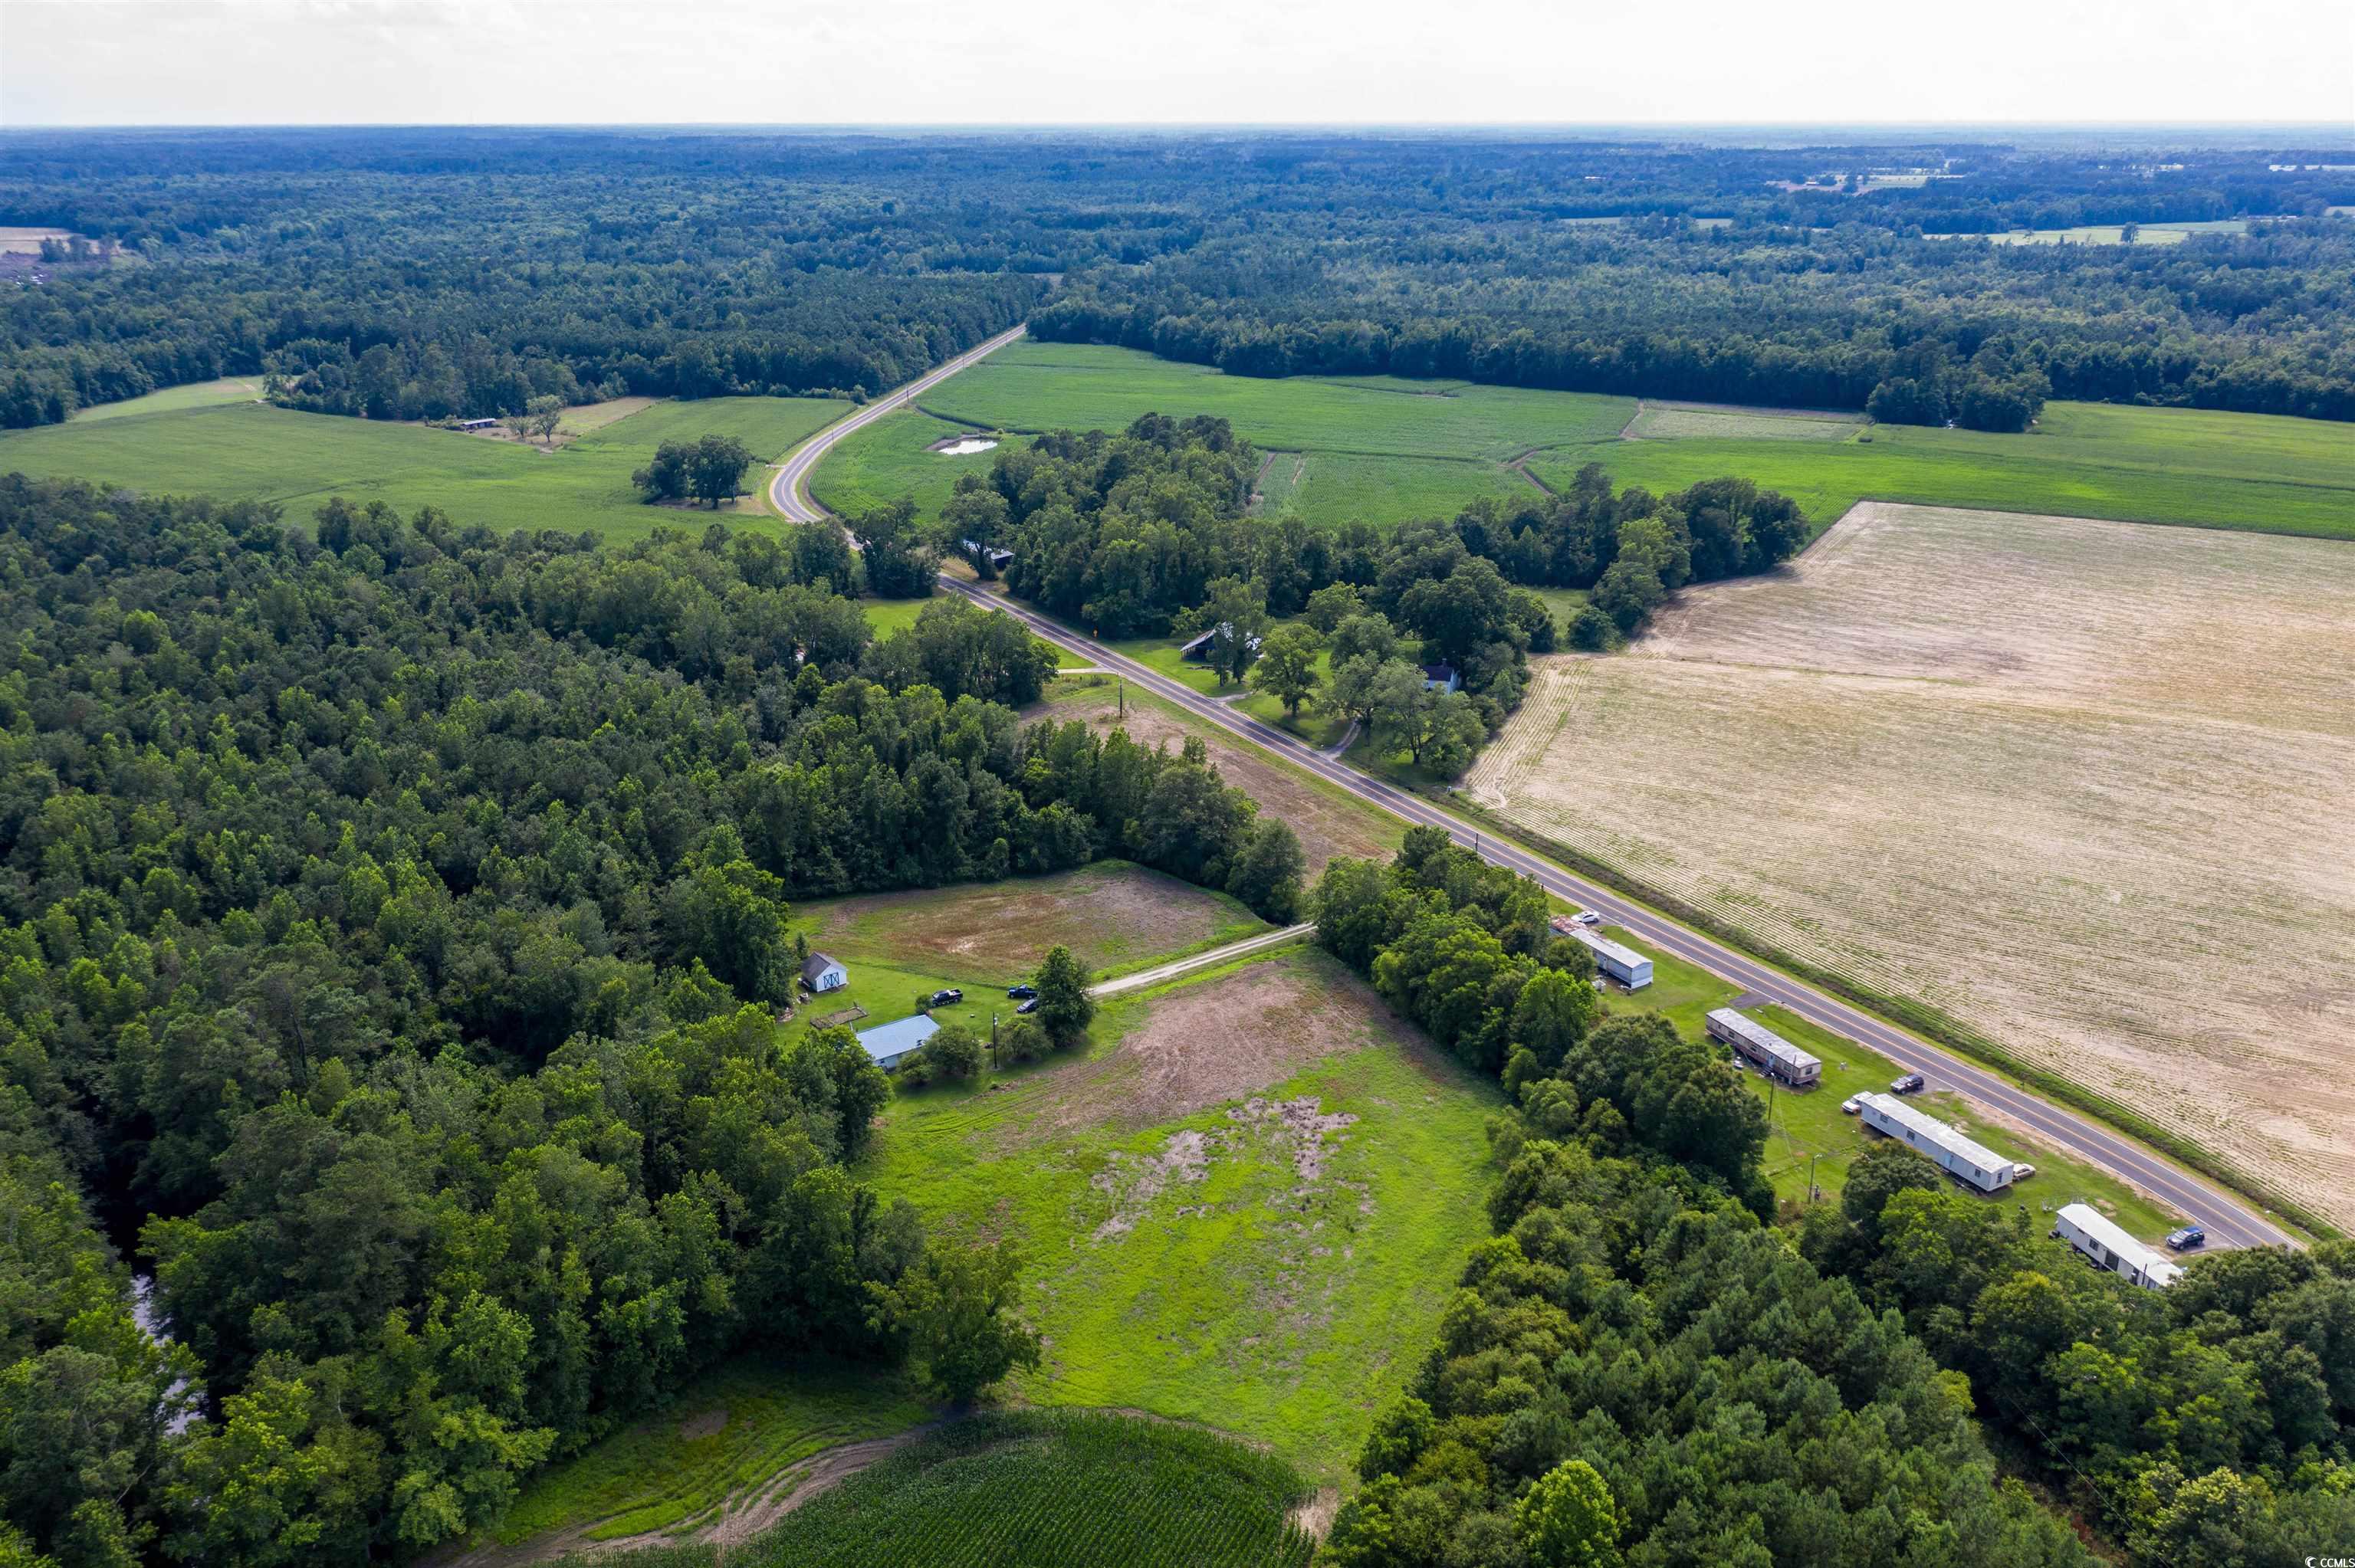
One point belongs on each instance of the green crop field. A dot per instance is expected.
(728, 1432)
(1381, 450)
(1043, 1490)
(251, 452)
(195, 395)
(2110, 233)
(1245, 1204)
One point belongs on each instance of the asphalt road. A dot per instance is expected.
(2230, 1222)
(789, 492)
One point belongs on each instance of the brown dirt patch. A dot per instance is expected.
(1107, 915)
(1327, 826)
(1315, 1517)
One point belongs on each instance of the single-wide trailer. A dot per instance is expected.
(1972, 1163)
(2104, 1242)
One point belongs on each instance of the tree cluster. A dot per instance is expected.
(2208, 1424)
(1634, 1369)
(711, 469)
(394, 932)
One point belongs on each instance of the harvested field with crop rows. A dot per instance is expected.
(2081, 787)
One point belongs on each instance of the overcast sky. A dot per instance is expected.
(82, 62)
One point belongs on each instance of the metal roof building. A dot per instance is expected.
(1973, 1162)
(1760, 1045)
(2103, 1239)
(887, 1043)
(1625, 965)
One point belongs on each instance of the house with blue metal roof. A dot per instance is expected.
(888, 1043)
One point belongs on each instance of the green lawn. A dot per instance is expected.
(1258, 1275)
(727, 1430)
(254, 451)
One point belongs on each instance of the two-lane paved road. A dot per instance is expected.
(789, 492)
(2231, 1221)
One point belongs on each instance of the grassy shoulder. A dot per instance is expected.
(1045, 1489)
(1243, 1204)
(246, 450)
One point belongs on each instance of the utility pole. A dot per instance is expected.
(1812, 1194)
(1120, 689)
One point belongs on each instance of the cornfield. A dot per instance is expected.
(1043, 1490)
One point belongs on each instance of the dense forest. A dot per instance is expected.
(423, 274)
(1637, 1370)
(394, 927)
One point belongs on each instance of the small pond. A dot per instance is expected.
(965, 448)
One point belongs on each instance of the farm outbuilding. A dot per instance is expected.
(1441, 678)
(1972, 1163)
(1625, 965)
(822, 974)
(1764, 1049)
(2101, 1239)
(888, 1043)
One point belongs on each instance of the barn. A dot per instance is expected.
(822, 972)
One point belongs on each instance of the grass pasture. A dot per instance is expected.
(169, 399)
(2110, 233)
(1383, 450)
(2029, 774)
(1245, 1206)
(1040, 1490)
(251, 452)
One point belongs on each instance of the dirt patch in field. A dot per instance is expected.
(1328, 826)
(2080, 785)
(1224, 1038)
(1315, 1517)
(1105, 914)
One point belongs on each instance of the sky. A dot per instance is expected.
(1036, 62)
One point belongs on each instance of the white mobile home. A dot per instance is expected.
(1625, 965)
(1764, 1049)
(1973, 1164)
(2099, 1238)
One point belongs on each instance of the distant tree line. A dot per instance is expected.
(1636, 1369)
(421, 274)
(394, 924)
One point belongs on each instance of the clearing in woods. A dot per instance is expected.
(1111, 914)
(2080, 787)
(244, 451)
(1246, 1204)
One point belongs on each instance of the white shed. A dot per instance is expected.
(823, 972)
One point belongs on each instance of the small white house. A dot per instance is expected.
(1441, 678)
(888, 1043)
(822, 974)
(1624, 964)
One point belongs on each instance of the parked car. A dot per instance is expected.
(2187, 1238)
(1019, 991)
(1851, 1106)
(943, 998)
(1587, 918)
(2021, 1169)
(1029, 1006)
(1911, 1083)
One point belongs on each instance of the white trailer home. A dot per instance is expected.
(1625, 965)
(1972, 1164)
(2099, 1238)
(1764, 1049)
